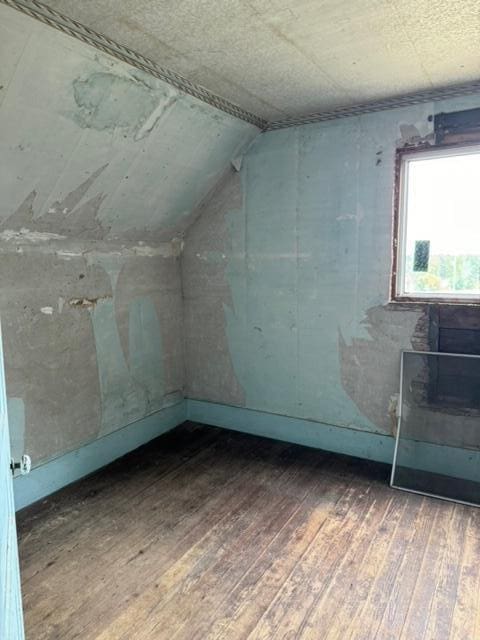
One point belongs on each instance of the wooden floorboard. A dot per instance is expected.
(207, 534)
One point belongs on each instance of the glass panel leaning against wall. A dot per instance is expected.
(438, 248)
(437, 450)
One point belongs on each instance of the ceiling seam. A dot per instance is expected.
(77, 30)
(419, 97)
(71, 27)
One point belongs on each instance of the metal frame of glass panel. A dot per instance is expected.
(399, 424)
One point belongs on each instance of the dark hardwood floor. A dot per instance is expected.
(207, 534)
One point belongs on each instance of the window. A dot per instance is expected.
(438, 236)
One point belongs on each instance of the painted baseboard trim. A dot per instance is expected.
(62, 471)
(452, 461)
(319, 435)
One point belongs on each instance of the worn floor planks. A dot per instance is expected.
(212, 535)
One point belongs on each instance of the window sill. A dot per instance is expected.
(414, 300)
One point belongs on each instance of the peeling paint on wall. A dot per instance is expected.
(67, 216)
(85, 303)
(50, 357)
(206, 295)
(148, 293)
(310, 331)
(69, 110)
(132, 372)
(103, 167)
(145, 352)
(119, 398)
(107, 102)
(25, 235)
(370, 366)
(16, 423)
(122, 401)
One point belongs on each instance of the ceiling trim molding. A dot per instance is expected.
(71, 27)
(429, 95)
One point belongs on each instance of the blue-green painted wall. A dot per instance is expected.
(286, 275)
(103, 167)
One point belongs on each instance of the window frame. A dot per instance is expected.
(403, 155)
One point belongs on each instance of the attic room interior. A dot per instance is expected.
(239, 304)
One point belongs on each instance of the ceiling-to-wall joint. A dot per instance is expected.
(430, 95)
(71, 27)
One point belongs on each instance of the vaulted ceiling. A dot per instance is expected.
(280, 58)
(95, 149)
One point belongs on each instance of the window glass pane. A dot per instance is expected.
(442, 239)
(438, 442)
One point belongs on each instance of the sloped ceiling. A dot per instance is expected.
(95, 149)
(281, 58)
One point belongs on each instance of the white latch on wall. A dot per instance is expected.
(23, 466)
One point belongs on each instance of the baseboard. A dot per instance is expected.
(319, 435)
(62, 471)
(451, 461)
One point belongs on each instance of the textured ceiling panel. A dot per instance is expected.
(280, 58)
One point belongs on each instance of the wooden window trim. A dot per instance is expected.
(470, 141)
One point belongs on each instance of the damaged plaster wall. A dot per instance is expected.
(287, 273)
(103, 167)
